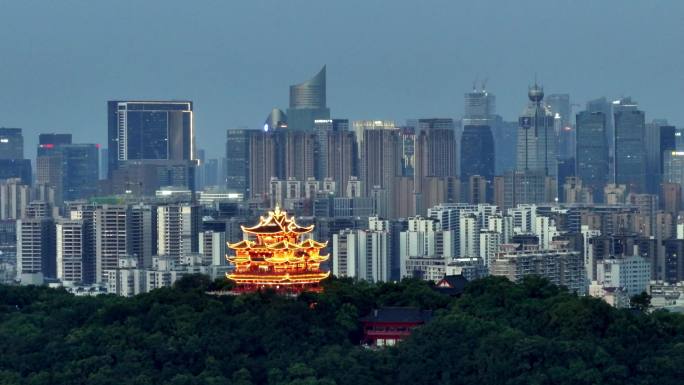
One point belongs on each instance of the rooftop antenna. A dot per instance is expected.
(484, 84)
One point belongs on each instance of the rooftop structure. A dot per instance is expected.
(274, 256)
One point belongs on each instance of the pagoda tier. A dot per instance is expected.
(276, 257)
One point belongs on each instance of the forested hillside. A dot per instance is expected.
(496, 333)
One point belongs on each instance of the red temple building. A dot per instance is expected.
(276, 256)
(388, 325)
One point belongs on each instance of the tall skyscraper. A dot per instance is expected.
(49, 162)
(660, 138)
(477, 153)
(379, 158)
(323, 128)
(80, 170)
(294, 153)
(435, 148)
(261, 164)
(480, 107)
(537, 161)
(592, 152)
(308, 103)
(560, 104)
(237, 160)
(11, 143)
(150, 130)
(336, 152)
(630, 149)
(536, 137)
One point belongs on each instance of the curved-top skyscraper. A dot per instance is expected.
(308, 103)
(310, 94)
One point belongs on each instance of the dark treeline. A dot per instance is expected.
(496, 333)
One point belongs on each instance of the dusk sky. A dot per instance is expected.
(60, 61)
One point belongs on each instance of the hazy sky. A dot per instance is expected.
(60, 61)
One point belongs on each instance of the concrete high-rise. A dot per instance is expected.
(630, 149)
(150, 130)
(261, 164)
(178, 228)
(336, 152)
(35, 250)
(14, 198)
(308, 103)
(323, 128)
(141, 233)
(70, 241)
(110, 237)
(592, 152)
(379, 158)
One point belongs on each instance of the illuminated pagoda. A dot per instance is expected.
(274, 256)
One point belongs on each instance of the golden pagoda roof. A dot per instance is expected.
(244, 244)
(283, 245)
(276, 222)
(311, 244)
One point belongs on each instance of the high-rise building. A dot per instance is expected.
(14, 197)
(178, 227)
(238, 161)
(261, 164)
(16, 168)
(308, 103)
(36, 259)
(379, 158)
(631, 273)
(559, 104)
(110, 237)
(294, 153)
(276, 119)
(630, 149)
(435, 148)
(560, 266)
(480, 107)
(592, 152)
(536, 148)
(337, 158)
(363, 254)
(477, 153)
(80, 170)
(49, 162)
(70, 242)
(325, 128)
(11, 143)
(141, 233)
(150, 130)
(104, 159)
(660, 138)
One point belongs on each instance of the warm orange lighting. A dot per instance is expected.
(278, 258)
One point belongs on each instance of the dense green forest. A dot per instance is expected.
(496, 333)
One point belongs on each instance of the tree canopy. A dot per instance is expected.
(497, 332)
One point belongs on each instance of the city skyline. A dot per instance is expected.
(413, 73)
